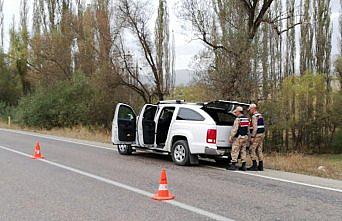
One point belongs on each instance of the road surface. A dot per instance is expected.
(81, 180)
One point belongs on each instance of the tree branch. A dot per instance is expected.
(275, 27)
(143, 91)
(266, 5)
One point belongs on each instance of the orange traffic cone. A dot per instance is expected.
(37, 153)
(163, 193)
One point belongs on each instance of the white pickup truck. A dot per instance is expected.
(184, 130)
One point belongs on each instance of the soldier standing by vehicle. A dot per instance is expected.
(257, 138)
(239, 138)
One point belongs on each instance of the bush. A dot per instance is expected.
(5, 110)
(10, 89)
(64, 105)
(337, 142)
(302, 115)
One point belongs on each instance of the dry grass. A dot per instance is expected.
(78, 132)
(4, 124)
(323, 165)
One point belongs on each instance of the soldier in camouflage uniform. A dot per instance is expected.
(257, 138)
(239, 138)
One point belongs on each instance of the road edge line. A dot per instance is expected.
(291, 181)
(280, 179)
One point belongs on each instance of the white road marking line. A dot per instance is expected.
(55, 138)
(127, 187)
(280, 179)
(216, 168)
(290, 181)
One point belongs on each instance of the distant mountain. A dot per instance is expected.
(183, 77)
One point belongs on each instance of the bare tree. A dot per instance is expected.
(230, 28)
(52, 40)
(157, 56)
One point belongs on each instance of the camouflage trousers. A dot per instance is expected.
(239, 146)
(255, 149)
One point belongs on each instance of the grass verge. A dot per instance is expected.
(322, 165)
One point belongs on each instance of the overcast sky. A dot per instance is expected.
(185, 47)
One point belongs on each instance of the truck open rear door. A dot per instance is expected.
(147, 125)
(124, 125)
(227, 106)
(221, 112)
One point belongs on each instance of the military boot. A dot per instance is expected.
(232, 166)
(243, 166)
(261, 166)
(254, 167)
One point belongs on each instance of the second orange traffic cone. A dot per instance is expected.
(163, 193)
(37, 153)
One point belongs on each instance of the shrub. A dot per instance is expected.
(337, 142)
(64, 105)
(10, 89)
(5, 110)
(302, 115)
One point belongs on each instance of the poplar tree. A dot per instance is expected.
(290, 40)
(323, 37)
(164, 59)
(306, 38)
(19, 46)
(2, 23)
(340, 26)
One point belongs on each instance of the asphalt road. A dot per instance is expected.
(92, 182)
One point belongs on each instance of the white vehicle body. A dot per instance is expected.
(204, 127)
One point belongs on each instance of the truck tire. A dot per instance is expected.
(180, 153)
(125, 149)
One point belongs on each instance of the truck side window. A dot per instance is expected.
(125, 113)
(188, 114)
(150, 112)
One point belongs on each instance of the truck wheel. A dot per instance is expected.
(125, 149)
(180, 153)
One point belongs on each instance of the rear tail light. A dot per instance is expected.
(211, 136)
